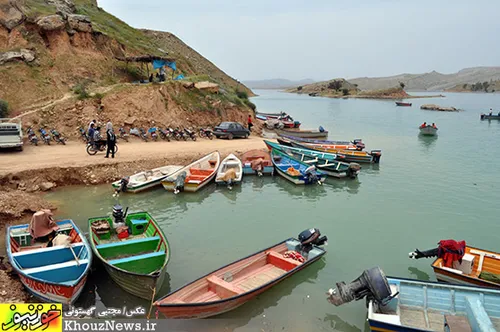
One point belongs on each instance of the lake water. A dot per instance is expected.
(424, 190)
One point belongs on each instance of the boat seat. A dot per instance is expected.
(457, 323)
(232, 163)
(281, 262)
(127, 242)
(223, 288)
(478, 318)
(55, 266)
(44, 249)
(143, 257)
(113, 249)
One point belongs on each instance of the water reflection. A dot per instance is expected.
(337, 324)
(230, 194)
(427, 142)
(312, 191)
(418, 274)
(349, 185)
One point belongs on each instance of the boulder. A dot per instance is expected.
(434, 107)
(64, 7)
(46, 186)
(10, 16)
(207, 86)
(51, 22)
(21, 55)
(80, 23)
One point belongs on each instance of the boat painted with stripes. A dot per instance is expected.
(348, 155)
(296, 171)
(305, 133)
(356, 143)
(257, 162)
(51, 273)
(137, 262)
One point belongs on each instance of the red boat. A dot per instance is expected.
(399, 103)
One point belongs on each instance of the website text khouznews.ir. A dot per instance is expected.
(108, 325)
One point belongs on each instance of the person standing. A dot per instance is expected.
(111, 140)
(250, 123)
(91, 133)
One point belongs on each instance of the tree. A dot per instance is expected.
(299, 88)
(335, 85)
(465, 86)
(345, 92)
(4, 108)
(402, 85)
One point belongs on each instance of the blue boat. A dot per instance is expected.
(325, 162)
(52, 273)
(396, 304)
(294, 170)
(358, 143)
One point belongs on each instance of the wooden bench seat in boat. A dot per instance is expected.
(59, 266)
(128, 247)
(281, 262)
(144, 263)
(222, 288)
(457, 323)
(200, 172)
(47, 255)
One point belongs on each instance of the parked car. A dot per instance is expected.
(231, 129)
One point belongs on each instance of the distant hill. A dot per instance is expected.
(491, 86)
(432, 81)
(276, 83)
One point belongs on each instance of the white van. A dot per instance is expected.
(11, 135)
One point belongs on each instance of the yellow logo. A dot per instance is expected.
(31, 316)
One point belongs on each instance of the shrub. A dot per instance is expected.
(402, 85)
(345, 92)
(242, 94)
(299, 88)
(250, 104)
(81, 90)
(4, 108)
(335, 85)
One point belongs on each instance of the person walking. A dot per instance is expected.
(111, 140)
(250, 123)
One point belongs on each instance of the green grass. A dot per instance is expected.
(37, 8)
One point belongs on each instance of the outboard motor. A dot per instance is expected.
(359, 144)
(372, 284)
(179, 183)
(376, 154)
(353, 170)
(311, 175)
(118, 216)
(310, 237)
(123, 184)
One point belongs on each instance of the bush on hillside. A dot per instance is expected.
(345, 92)
(335, 85)
(4, 108)
(299, 88)
(242, 94)
(80, 89)
(250, 104)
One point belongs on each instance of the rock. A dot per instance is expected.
(10, 15)
(207, 86)
(188, 85)
(46, 186)
(130, 120)
(21, 55)
(64, 7)
(51, 23)
(33, 188)
(434, 107)
(80, 23)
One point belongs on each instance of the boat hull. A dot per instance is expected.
(53, 293)
(402, 104)
(135, 190)
(297, 180)
(346, 155)
(490, 117)
(268, 170)
(428, 131)
(303, 134)
(189, 187)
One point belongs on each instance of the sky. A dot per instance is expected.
(325, 39)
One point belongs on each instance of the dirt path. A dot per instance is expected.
(74, 155)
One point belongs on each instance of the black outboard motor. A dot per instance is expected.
(123, 184)
(310, 237)
(359, 144)
(376, 154)
(119, 216)
(311, 175)
(179, 182)
(372, 284)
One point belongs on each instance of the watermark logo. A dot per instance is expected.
(32, 317)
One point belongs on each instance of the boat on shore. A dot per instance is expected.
(357, 143)
(399, 103)
(144, 180)
(325, 162)
(271, 115)
(348, 155)
(54, 267)
(230, 171)
(294, 170)
(305, 133)
(397, 304)
(136, 261)
(194, 176)
(490, 117)
(239, 282)
(428, 130)
(257, 162)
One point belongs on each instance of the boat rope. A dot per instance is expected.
(152, 301)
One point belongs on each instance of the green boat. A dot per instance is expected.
(133, 250)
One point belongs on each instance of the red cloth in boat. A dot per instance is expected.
(42, 224)
(450, 251)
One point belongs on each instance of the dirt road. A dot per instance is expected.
(74, 155)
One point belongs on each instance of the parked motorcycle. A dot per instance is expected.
(44, 135)
(83, 135)
(206, 133)
(57, 137)
(165, 134)
(99, 146)
(143, 135)
(190, 134)
(123, 134)
(32, 136)
(153, 132)
(175, 134)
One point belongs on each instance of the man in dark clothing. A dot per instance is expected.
(91, 134)
(111, 141)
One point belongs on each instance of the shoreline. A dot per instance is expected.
(361, 96)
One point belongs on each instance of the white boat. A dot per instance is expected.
(428, 130)
(230, 171)
(147, 179)
(195, 175)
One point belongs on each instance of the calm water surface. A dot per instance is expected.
(424, 190)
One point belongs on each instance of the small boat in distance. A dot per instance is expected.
(397, 304)
(239, 282)
(194, 176)
(257, 162)
(54, 266)
(144, 180)
(400, 103)
(428, 130)
(306, 133)
(294, 170)
(136, 261)
(490, 117)
(230, 171)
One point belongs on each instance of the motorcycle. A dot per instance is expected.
(99, 146)
(165, 134)
(57, 137)
(83, 135)
(142, 134)
(123, 134)
(32, 136)
(206, 133)
(180, 133)
(45, 136)
(190, 134)
(174, 133)
(152, 132)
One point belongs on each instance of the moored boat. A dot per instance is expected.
(397, 304)
(257, 162)
(237, 283)
(133, 250)
(355, 143)
(52, 258)
(302, 133)
(461, 264)
(428, 130)
(294, 170)
(325, 162)
(271, 115)
(194, 176)
(230, 171)
(144, 180)
(399, 103)
(490, 117)
(348, 155)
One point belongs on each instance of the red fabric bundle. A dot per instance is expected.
(450, 251)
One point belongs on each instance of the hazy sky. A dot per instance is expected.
(324, 39)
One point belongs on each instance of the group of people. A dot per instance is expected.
(491, 112)
(423, 125)
(96, 139)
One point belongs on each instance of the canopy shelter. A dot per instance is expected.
(158, 62)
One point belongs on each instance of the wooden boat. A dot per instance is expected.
(356, 143)
(325, 162)
(54, 274)
(399, 103)
(137, 262)
(230, 171)
(343, 145)
(428, 130)
(348, 155)
(195, 175)
(237, 283)
(145, 180)
(397, 304)
(257, 162)
(302, 133)
(271, 115)
(490, 117)
(296, 171)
